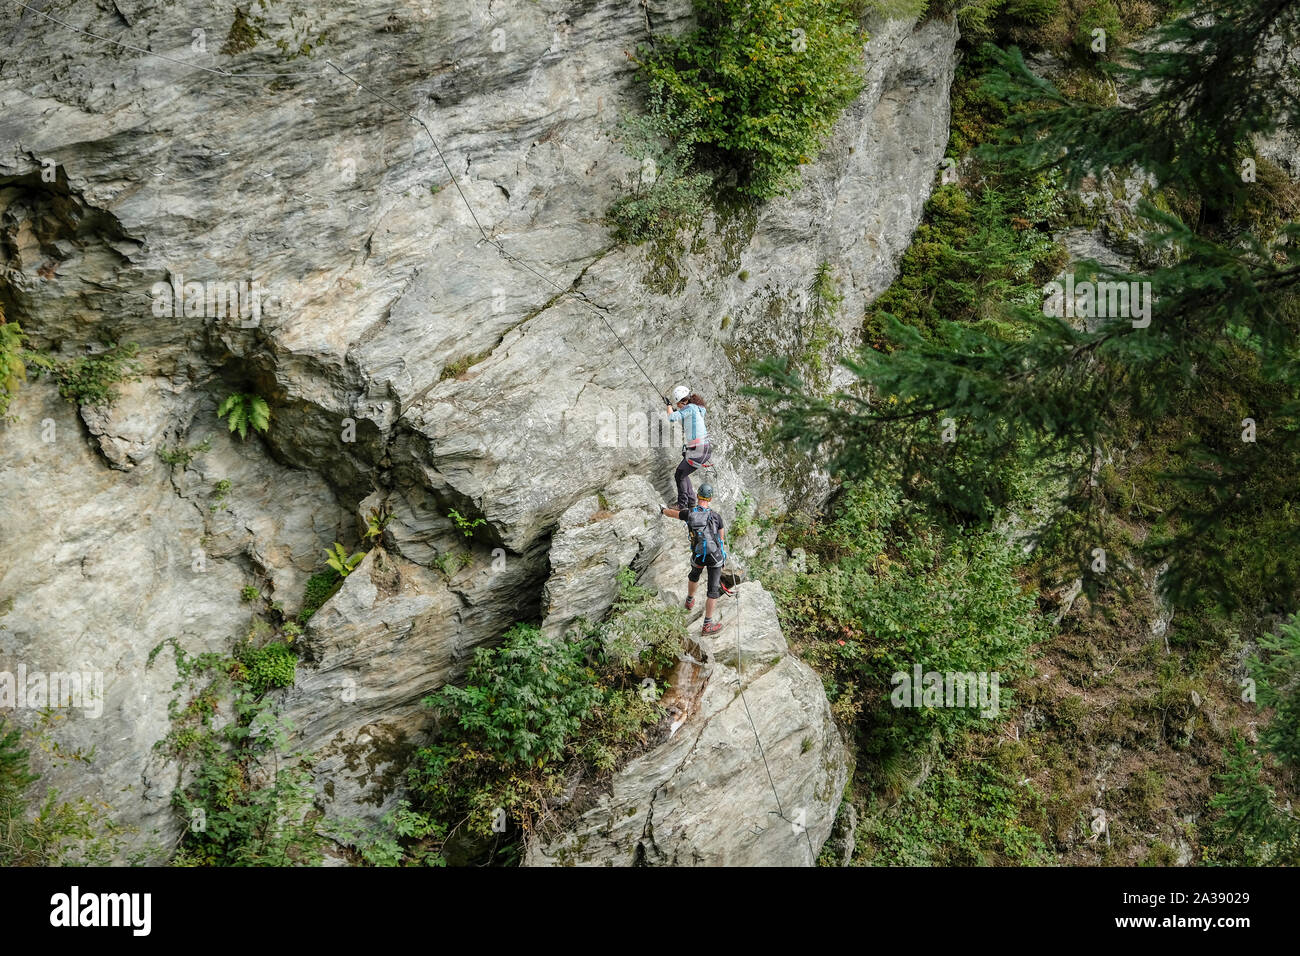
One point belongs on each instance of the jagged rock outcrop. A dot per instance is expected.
(702, 798)
(617, 528)
(373, 652)
(405, 362)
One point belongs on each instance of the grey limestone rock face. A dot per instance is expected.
(405, 362)
(615, 529)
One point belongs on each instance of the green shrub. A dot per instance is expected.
(524, 698)
(462, 365)
(1276, 668)
(899, 9)
(760, 84)
(884, 592)
(666, 194)
(533, 713)
(976, 17)
(1033, 13)
(642, 634)
(449, 562)
(1002, 20)
(743, 523)
(1250, 827)
(376, 521)
(92, 379)
(12, 369)
(274, 665)
(1101, 15)
(220, 491)
(320, 588)
(238, 806)
(245, 410)
(987, 243)
(521, 705)
(182, 455)
(403, 838)
(969, 813)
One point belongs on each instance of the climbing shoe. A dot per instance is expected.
(711, 628)
(690, 602)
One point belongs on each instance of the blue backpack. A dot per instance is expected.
(706, 548)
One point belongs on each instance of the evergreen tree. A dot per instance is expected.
(958, 414)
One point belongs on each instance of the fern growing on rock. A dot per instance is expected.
(245, 410)
(339, 559)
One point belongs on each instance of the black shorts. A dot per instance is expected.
(715, 579)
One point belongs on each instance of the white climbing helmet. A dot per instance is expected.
(680, 392)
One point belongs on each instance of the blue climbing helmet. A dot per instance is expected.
(706, 491)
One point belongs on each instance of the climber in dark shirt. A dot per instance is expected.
(708, 550)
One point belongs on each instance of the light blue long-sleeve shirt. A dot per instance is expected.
(692, 419)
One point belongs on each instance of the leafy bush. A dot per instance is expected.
(885, 591)
(449, 562)
(744, 521)
(91, 379)
(274, 665)
(377, 520)
(967, 813)
(642, 634)
(12, 370)
(220, 491)
(533, 713)
(524, 698)
(898, 9)
(666, 195)
(759, 83)
(183, 455)
(320, 588)
(521, 705)
(245, 410)
(403, 838)
(989, 242)
(1032, 12)
(239, 807)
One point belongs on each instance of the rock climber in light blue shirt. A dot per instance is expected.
(688, 407)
